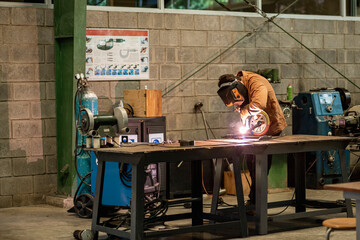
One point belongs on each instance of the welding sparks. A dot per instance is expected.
(243, 129)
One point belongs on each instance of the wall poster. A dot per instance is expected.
(117, 54)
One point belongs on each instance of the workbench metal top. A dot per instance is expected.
(249, 145)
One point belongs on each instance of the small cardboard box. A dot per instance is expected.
(229, 182)
(146, 103)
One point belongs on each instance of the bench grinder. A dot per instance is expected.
(103, 125)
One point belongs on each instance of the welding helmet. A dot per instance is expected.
(231, 92)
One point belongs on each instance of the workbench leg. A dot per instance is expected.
(345, 179)
(300, 188)
(167, 180)
(137, 202)
(98, 197)
(216, 186)
(196, 192)
(261, 193)
(240, 196)
(357, 219)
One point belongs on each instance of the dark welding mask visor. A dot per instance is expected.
(232, 92)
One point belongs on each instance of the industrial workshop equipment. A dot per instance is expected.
(118, 177)
(95, 131)
(103, 125)
(84, 98)
(117, 183)
(321, 112)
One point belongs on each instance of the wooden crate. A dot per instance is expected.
(146, 103)
(229, 182)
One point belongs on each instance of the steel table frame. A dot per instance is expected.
(299, 148)
(138, 160)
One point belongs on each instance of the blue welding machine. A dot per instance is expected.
(115, 193)
(313, 114)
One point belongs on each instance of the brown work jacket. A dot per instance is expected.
(262, 97)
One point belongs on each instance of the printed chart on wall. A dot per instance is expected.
(117, 54)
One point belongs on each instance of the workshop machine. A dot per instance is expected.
(104, 131)
(117, 180)
(321, 112)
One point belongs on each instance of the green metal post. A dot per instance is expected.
(70, 34)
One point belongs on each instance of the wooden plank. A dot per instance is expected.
(136, 98)
(146, 103)
(153, 103)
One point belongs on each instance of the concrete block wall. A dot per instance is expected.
(28, 164)
(180, 44)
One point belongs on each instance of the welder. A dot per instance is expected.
(251, 93)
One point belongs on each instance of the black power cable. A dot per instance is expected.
(125, 173)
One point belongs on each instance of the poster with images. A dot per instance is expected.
(117, 54)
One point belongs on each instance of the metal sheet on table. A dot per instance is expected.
(136, 148)
(236, 141)
(214, 143)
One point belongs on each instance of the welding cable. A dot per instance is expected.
(274, 214)
(293, 196)
(121, 217)
(78, 188)
(129, 109)
(78, 95)
(264, 15)
(210, 129)
(125, 174)
(81, 83)
(155, 208)
(152, 210)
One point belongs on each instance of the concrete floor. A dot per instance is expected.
(49, 222)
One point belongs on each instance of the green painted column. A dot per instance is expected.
(70, 34)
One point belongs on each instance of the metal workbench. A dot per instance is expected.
(140, 155)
